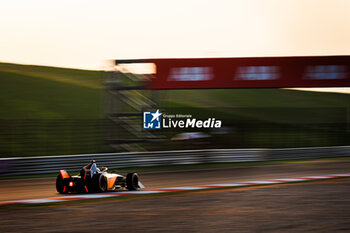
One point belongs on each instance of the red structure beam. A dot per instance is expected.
(255, 72)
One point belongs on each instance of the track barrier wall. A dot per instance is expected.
(52, 164)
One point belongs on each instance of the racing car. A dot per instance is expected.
(93, 179)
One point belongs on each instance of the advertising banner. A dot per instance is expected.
(258, 72)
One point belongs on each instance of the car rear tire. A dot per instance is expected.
(132, 181)
(102, 183)
(60, 186)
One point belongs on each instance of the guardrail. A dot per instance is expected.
(51, 164)
(307, 153)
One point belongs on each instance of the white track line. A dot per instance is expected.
(171, 189)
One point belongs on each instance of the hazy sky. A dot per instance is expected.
(83, 33)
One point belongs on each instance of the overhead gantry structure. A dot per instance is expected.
(130, 94)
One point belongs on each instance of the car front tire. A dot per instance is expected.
(132, 180)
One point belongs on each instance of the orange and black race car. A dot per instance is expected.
(93, 179)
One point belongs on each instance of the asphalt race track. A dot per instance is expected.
(318, 206)
(45, 187)
(321, 206)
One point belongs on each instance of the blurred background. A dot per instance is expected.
(48, 110)
(56, 111)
